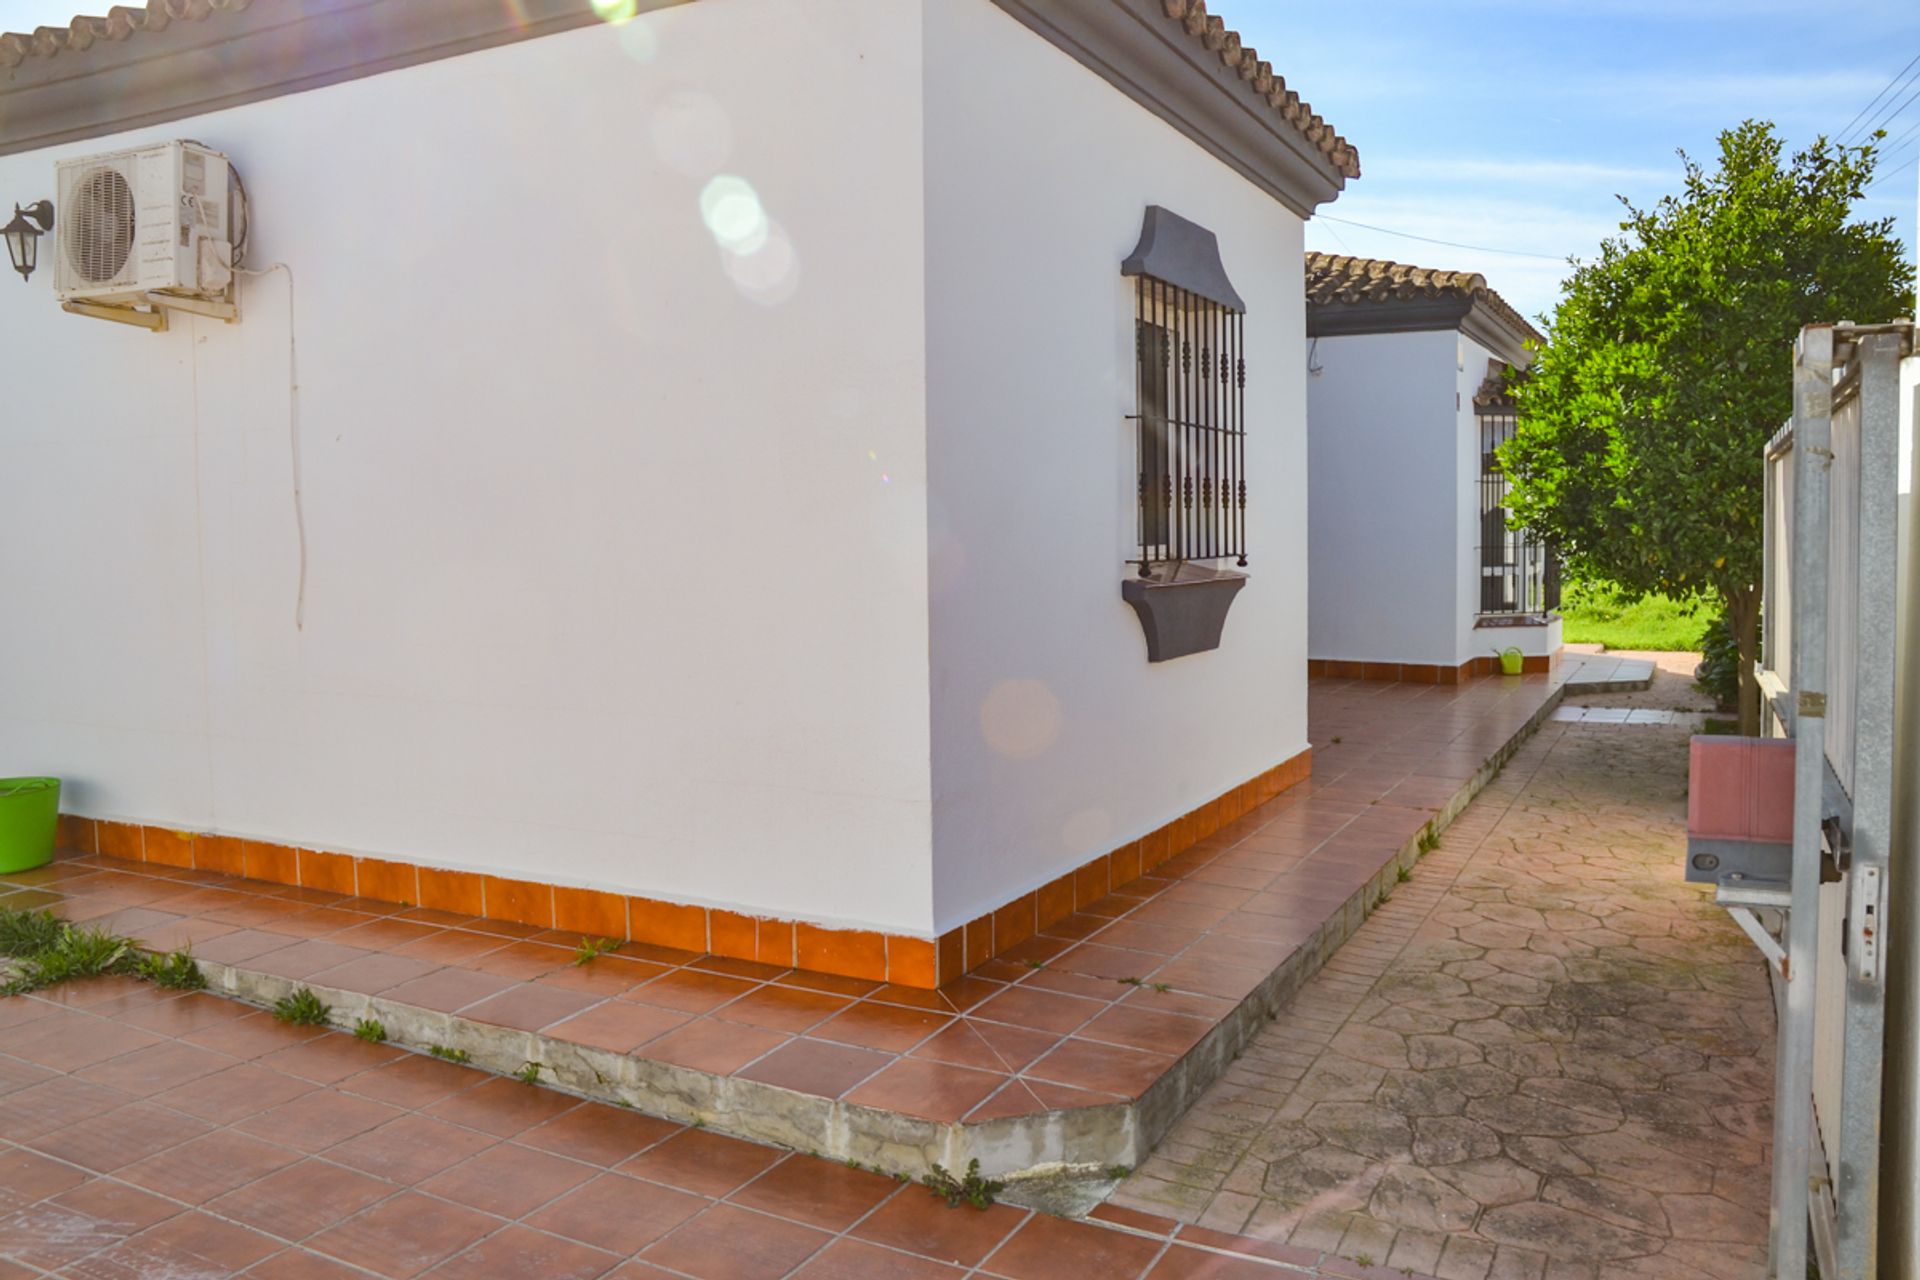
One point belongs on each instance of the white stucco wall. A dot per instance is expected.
(1387, 455)
(617, 574)
(1053, 738)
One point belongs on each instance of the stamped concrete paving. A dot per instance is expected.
(1546, 1055)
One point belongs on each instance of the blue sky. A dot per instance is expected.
(1513, 123)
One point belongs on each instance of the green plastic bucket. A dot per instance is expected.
(29, 815)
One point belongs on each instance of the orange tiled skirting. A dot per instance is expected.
(1421, 672)
(853, 953)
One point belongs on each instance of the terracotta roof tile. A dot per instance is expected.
(121, 21)
(1192, 16)
(1336, 278)
(1261, 78)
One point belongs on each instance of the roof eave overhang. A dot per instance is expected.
(1133, 46)
(269, 48)
(1492, 330)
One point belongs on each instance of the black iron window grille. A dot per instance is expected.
(1190, 426)
(1519, 574)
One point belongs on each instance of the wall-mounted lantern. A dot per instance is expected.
(23, 235)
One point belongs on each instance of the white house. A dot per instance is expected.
(677, 467)
(1415, 575)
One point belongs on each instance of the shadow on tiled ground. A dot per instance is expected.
(1546, 1055)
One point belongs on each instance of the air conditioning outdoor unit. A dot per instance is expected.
(144, 225)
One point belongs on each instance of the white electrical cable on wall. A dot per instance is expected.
(293, 439)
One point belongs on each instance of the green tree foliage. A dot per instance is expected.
(1668, 367)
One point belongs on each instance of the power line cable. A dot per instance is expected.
(1883, 122)
(1451, 244)
(1898, 76)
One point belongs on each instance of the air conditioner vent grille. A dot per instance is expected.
(99, 225)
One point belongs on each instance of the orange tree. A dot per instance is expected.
(1667, 368)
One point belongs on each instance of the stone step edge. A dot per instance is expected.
(1092, 1137)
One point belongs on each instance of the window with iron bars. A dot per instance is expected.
(1191, 437)
(1519, 574)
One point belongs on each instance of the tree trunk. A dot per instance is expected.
(1743, 615)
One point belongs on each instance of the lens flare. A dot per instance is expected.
(767, 272)
(638, 40)
(1020, 718)
(615, 11)
(731, 209)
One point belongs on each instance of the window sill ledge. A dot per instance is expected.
(1183, 609)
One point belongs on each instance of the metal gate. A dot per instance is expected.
(1827, 675)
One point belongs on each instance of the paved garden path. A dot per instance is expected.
(1545, 1055)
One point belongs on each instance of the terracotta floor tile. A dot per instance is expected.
(302, 1198)
(190, 1013)
(618, 1213)
(413, 1080)
(303, 959)
(751, 970)
(54, 1104)
(76, 1042)
(1184, 1263)
(987, 1046)
(298, 1264)
(518, 1253)
(242, 946)
(1145, 1028)
(932, 1090)
(529, 1006)
(1049, 1248)
(253, 1036)
(707, 1164)
(203, 1168)
(726, 1243)
(410, 1148)
(450, 990)
(707, 1044)
(858, 1260)
(372, 974)
(502, 1107)
(606, 975)
(405, 1235)
(329, 1059)
(1098, 960)
(874, 1025)
(318, 1120)
(127, 1209)
(690, 990)
(1104, 1068)
(619, 1026)
(818, 1193)
(157, 1068)
(26, 1176)
(599, 1134)
(778, 1008)
(921, 1223)
(1039, 1010)
(520, 961)
(817, 1067)
(385, 933)
(187, 1244)
(119, 1137)
(450, 946)
(508, 1180)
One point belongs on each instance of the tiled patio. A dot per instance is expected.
(1104, 1010)
(146, 1135)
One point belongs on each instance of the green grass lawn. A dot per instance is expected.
(1594, 614)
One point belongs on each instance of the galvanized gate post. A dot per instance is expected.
(1793, 1077)
(1856, 1190)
